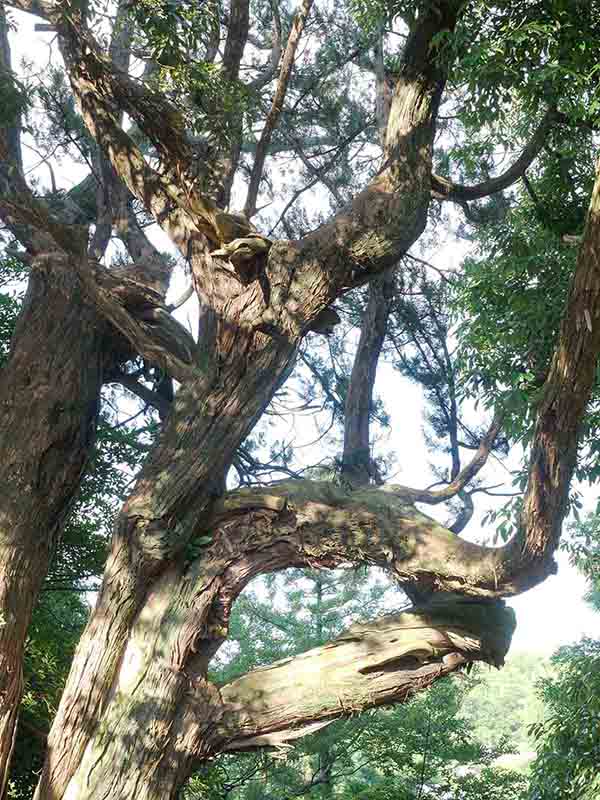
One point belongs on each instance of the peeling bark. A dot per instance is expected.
(370, 665)
(49, 397)
(566, 393)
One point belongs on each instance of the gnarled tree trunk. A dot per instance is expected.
(138, 712)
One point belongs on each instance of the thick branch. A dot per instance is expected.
(103, 94)
(225, 165)
(566, 393)
(310, 524)
(357, 466)
(237, 35)
(272, 119)
(386, 218)
(369, 665)
(445, 189)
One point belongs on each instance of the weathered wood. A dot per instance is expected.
(371, 664)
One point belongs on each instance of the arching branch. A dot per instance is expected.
(445, 189)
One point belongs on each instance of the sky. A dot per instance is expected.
(548, 616)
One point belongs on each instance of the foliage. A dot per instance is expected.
(568, 738)
(542, 52)
(12, 273)
(503, 704)
(510, 301)
(53, 634)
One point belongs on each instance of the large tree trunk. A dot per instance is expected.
(155, 627)
(49, 395)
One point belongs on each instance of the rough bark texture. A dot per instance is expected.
(62, 348)
(369, 665)
(49, 395)
(138, 711)
(566, 394)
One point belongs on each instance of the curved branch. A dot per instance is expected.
(435, 496)
(445, 189)
(465, 514)
(372, 664)
(320, 525)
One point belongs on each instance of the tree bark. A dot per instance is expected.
(49, 397)
(244, 355)
(138, 711)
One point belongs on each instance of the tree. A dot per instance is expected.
(139, 712)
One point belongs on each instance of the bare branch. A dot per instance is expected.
(465, 515)
(269, 72)
(432, 497)
(272, 119)
(183, 298)
(445, 189)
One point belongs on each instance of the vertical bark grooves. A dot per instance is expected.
(566, 394)
(171, 502)
(357, 465)
(49, 395)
